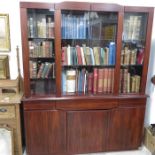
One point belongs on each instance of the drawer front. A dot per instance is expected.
(7, 112)
(86, 104)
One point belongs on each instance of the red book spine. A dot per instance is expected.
(78, 50)
(95, 75)
(90, 82)
(140, 56)
(100, 81)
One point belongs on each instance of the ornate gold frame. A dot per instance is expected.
(4, 67)
(4, 33)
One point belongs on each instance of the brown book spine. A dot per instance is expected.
(100, 81)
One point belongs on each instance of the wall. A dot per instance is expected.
(15, 34)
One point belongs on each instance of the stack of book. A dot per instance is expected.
(132, 56)
(101, 80)
(44, 27)
(41, 48)
(73, 26)
(89, 56)
(132, 28)
(129, 83)
(42, 70)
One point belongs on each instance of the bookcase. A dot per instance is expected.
(85, 70)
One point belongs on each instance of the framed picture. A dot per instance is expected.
(4, 67)
(4, 33)
(6, 140)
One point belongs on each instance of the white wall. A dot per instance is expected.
(15, 33)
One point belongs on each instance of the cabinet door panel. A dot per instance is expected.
(45, 132)
(125, 129)
(86, 131)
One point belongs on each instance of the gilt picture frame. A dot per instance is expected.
(4, 67)
(4, 33)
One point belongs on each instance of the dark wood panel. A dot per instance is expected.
(45, 132)
(125, 128)
(86, 131)
(118, 53)
(33, 5)
(73, 6)
(147, 50)
(58, 51)
(132, 102)
(36, 105)
(106, 7)
(86, 104)
(25, 49)
(138, 9)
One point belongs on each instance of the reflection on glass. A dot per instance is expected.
(88, 52)
(41, 51)
(132, 54)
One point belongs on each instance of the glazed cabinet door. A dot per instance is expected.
(45, 132)
(125, 128)
(87, 131)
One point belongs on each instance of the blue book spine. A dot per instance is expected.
(102, 56)
(92, 56)
(114, 54)
(63, 81)
(63, 26)
(84, 28)
(110, 53)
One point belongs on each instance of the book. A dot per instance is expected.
(95, 80)
(70, 81)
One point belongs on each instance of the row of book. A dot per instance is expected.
(89, 56)
(101, 80)
(81, 27)
(73, 27)
(41, 48)
(43, 28)
(42, 70)
(129, 83)
(132, 56)
(133, 27)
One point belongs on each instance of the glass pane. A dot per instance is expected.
(88, 52)
(132, 54)
(41, 51)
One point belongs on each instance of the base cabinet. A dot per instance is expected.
(45, 132)
(125, 128)
(87, 131)
(67, 130)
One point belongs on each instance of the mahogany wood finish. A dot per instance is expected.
(69, 124)
(58, 51)
(73, 6)
(126, 128)
(87, 131)
(106, 7)
(25, 48)
(118, 53)
(45, 132)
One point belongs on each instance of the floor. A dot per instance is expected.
(141, 151)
